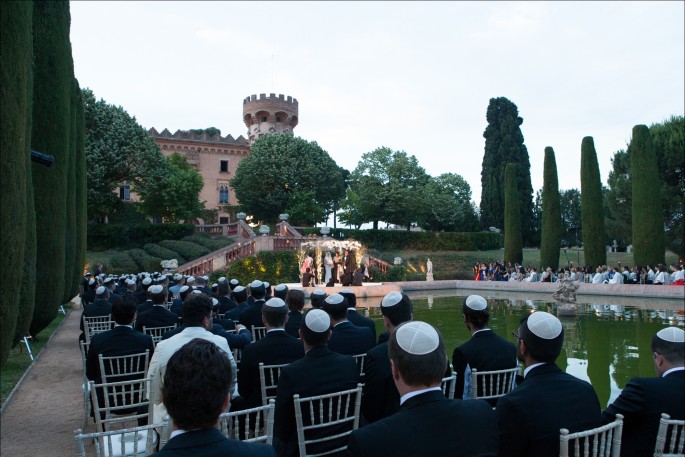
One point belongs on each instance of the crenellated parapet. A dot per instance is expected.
(263, 115)
(186, 135)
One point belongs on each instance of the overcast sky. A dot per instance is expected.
(410, 76)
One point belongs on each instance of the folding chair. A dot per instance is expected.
(360, 358)
(157, 332)
(268, 381)
(124, 367)
(254, 425)
(324, 422)
(669, 438)
(604, 441)
(96, 324)
(83, 346)
(449, 384)
(258, 333)
(135, 441)
(491, 385)
(121, 402)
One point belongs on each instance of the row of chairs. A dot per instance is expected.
(97, 324)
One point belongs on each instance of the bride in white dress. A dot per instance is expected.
(328, 266)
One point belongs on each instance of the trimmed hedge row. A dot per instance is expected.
(108, 236)
(210, 243)
(145, 261)
(155, 250)
(122, 263)
(187, 249)
(383, 240)
(276, 267)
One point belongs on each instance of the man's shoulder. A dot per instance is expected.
(378, 351)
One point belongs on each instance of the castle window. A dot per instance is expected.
(223, 220)
(125, 192)
(224, 166)
(263, 118)
(223, 194)
(278, 119)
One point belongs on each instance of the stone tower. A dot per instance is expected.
(270, 114)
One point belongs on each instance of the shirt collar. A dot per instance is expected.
(276, 330)
(527, 370)
(481, 330)
(414, 393)
(667, 372)
(124, 325)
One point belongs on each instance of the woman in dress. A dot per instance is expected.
(328, 266)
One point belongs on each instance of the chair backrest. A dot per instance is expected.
(324, 422)
(124, 367)
(135, 441)
(254, 425)
(360, 358)
(449, 385)
(669, 438)
(268, 381)
(157, 332)
(168, 304)
(492, 384)
(604, 441)
(96, 324)
(258, 333)
(120, 402)
(237, 355)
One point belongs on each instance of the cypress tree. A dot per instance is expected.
(550, 242)
(513, 243)
(52, 84)
(27, 291)
(70, 202)
(591, 206)
(80, 186)
(648, 220)
(16, 53)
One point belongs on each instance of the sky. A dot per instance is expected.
(412, 76)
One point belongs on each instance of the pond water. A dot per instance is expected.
(607, 344)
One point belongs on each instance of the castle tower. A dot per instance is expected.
(270, 114)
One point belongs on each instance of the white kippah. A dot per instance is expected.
(91, 282)
(130, 282)
(206, 278)
(157, 289)
(275, 302)
(256, 284)
(280, 287)
(476, 302)
(318, 292)
(544, 325)
(334, 299)
(672, 334)
(346, 291)
(215, 301)
(391, 299)
(190, 279)
(215, 285)
(197, 291)
(235, 282)
(108, 280)
(183, 289)
(266, 284)
(317, 321)
(100, 290)
(147, 281)
(238, 289)
(222, 279)
(178, 277)
(417, 338)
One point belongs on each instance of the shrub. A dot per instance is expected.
(155, 250)
(145, 261)
(187, 249)
(591, 205)
(393, 274)
(122, 263)
(275, 267)
(108, 236)
(210, 243)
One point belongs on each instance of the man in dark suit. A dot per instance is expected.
(100, 307)
(158, 316)
(418, 361)
(141, 295)
(226, 303)
(530, 416)
(177, 304)
(485, 351)
(346, 338)
(317, 297)
(295, 301)
(276, 348)
(253, 315)
(111, 285)
(643, 400)
(281, 291)
(240, 297)
(195, 392)
(381, 398)
(352, 314)
(321, 371)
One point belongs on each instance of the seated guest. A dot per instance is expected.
(177, 305)
(418, 361)
(252, 316)
(307, 277)
(317, 297)
(158, 316)
(381, 398)
(281, 291)
(319, 372)
(295, 301)
(485, 351)
(267, 291)
(226, 303)
(352, 314)
(141, 295)
(100, 307)
(240, 297)
(357, 277)
(346, 338)
(644, 399)
(196, 391)
(530, 416)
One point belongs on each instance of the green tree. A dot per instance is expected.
(504, 145)
(81, 221)
(591, 205)
(550, 242)
(570, 217)
(303, 209)
(118, 150)
(211, 131)
(16, 53)
(447, 205)
(176, 197)
(648, 226)
(351, 210)
(619, 198)
(513, 243)
(280, 164)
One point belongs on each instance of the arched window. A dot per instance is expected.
(223, 194)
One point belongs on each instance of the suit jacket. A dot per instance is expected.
(225, 305)
(211, 443)
(485, 351)
(418, 429)
(121, 340)
(177, 307)
(97, 308)
(349, 339)
(145, 307)
(381, 398)
(319, 372)
(641, 402)
(361, 321)
(141, 296)
(252, 315)
(292, 327)
(158, 316)
(276, 348)
(530, 416)
(115, 298)
(235, 313)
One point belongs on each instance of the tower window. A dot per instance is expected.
(278, 119)
(223, 194)
(224, 166)
(263, 118)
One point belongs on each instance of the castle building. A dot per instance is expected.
(217, 157)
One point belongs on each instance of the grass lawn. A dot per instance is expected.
(19, 360)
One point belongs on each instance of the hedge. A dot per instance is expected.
(122, 263)
(210, 243)
(155, 250)
(384, 240)
(187, 249)
(145, 261)
(276, 267)
(108, 236)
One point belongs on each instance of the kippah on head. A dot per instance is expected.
(206, 278)
(280, 287)
(178, 277)
(391, 299)
(238, 289)
(275, 302)
(334, 299)
(256, 284)
(108, 280)
(235, 282)
(544, 325)
(318, 292)
(147, 281)
(91, 282)
(543, 335)
(190, 279)
(130, 282)
(156, 289)
(100, 290)
(184, 289)
(476, 302)
(215, 285)
(417, 338)
(317, 321)
(672, 335)
(266, 285)
(215, 301)
(197, 291)
(222, 279)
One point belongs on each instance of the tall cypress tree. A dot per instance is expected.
(513, 243)
(648, 219)
(52, 85)
(16, 55)
(503, 145)
(591, 205)
(550, 242)
(78, 119)
(27, 291)
(70, 203)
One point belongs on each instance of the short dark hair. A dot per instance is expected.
(275, 316)
(124, 311)
(540, 349)
(258, 293)
(418, 370)
(222, 289)
(350, 297)
(295, 300)
(317, 300)
(399, 313)
(337, 311)
(240, 297)
(673, 352)
(159, 298)
(195, 309)
(282, 294)
(311, 337)
(196, 384)
(478, 318)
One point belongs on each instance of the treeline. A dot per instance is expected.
(43, 206)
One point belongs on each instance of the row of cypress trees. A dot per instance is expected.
(43, 207)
